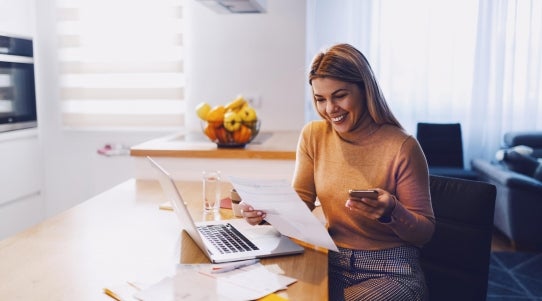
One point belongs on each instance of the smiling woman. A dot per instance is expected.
(360, 145)
(121, 69)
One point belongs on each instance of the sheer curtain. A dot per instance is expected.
(473, 62)
(508, 73)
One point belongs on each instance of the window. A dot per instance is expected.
(473, 62)
(121, 63)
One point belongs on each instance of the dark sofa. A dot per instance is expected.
(518, 207)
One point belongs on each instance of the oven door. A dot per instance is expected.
(17, 93)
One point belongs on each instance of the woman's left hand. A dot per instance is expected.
(373, 209)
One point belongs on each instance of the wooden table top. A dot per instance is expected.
(267, 145)
(118, 236)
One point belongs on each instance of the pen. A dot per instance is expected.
(234, 266)
(111, 294)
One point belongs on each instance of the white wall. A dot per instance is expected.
(17, 17)
(253, 54)
(227, 54)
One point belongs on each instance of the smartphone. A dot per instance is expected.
(359, 193)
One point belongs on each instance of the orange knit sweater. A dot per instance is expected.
(327, 166)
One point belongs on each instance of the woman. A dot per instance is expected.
(359, 144)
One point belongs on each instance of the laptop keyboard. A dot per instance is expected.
(226, 238)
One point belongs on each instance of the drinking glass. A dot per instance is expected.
(211, 191)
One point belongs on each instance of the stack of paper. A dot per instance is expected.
(199, 282)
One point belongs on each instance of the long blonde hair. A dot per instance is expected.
(345, 63)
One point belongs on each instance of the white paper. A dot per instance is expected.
(285, 210)
(196, 282)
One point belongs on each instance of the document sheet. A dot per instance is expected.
(198, 282)
(284, 208)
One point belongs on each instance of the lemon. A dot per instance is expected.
(202, 110)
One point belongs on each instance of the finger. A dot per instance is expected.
(361, 203)
(249, 210)
(353, 204)
(245, 207)
(361, 207)
(255, 219)
(373, 203)
(256, 214)
(253, 216)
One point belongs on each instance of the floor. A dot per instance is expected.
(514, 276)
(500, 243)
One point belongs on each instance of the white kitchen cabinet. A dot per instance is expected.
(21, 204)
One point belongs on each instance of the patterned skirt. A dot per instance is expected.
(390, 274)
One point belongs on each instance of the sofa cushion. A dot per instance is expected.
(523, 164)
(532, 139)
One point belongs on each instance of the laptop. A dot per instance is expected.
(226, 240)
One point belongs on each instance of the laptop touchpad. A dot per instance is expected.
(261, 232)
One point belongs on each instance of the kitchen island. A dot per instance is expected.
(270, 155)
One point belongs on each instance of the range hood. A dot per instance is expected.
(235, 6)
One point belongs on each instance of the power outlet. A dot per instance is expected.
(254, 101)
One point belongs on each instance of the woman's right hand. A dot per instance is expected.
(253, 217)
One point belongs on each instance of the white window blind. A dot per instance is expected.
(121, 63)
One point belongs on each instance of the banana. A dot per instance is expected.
(235, 104)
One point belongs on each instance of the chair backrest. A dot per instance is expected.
(442, 143)
(456, 260)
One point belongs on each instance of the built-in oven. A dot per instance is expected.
(17, 85)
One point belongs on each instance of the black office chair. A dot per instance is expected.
(442, 144)
(456, 260)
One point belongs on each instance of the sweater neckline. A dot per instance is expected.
(361, 133)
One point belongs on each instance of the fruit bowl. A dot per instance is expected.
(236, 136)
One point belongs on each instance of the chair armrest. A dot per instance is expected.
(500, 175)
